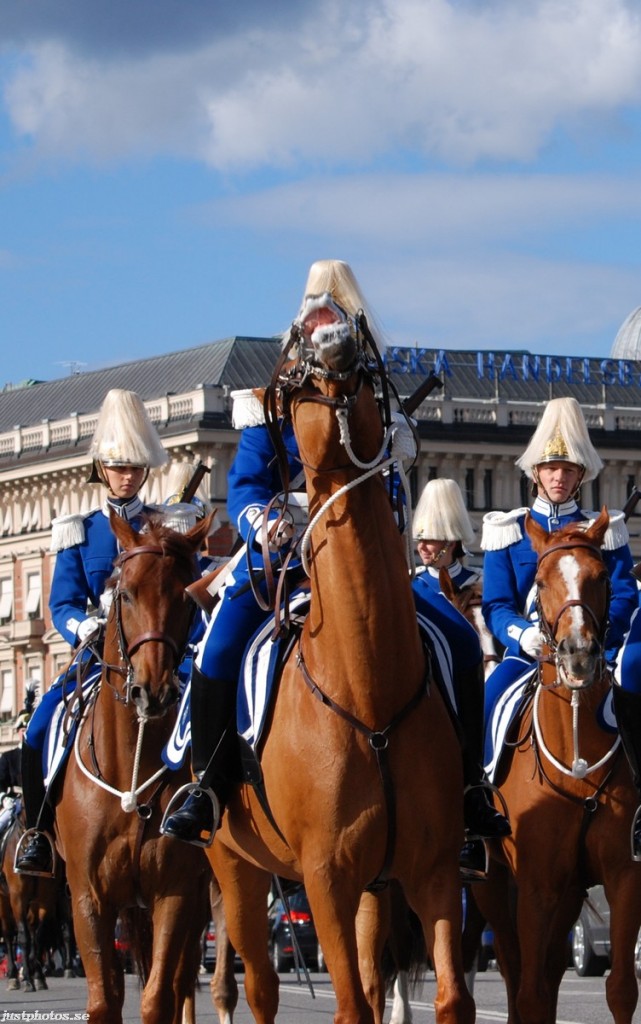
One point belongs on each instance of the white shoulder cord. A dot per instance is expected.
(399, 451)
(128, 799)
(580, 767)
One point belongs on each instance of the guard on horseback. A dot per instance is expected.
(125, 446)
(441, 527)
(558, 460)
(331, 295)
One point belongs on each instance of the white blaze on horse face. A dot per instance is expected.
(569, 570)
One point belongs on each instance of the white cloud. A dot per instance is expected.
(459, 82)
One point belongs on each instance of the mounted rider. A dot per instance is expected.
(125, 446)
(332, 296)
(558, 460)
(441, 529)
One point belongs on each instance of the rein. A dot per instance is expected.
(580, 768)
(128, 798)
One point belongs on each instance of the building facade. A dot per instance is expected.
(471, 429)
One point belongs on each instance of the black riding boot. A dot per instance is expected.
(482, 820)
(36, 855)
(215, 760)
(627, 707)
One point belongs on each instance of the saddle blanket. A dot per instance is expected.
(260, 670)
(511, 705)
(58, 742)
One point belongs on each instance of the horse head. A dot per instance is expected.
(573, 596)
(148, 625)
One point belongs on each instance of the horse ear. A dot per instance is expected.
(447, 585)
(536, 533)
(123, 531)
(599, 527)
(201, 530)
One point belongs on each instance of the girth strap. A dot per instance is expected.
(378, 740)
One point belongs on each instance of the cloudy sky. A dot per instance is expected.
(170, 168)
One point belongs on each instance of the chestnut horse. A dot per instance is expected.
(569, 792)
(115, 789)
(360, 761)
(32, 902)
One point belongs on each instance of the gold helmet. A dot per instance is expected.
(561, 436)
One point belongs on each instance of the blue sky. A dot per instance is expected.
(170, 168)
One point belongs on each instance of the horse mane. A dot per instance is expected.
(154, 531)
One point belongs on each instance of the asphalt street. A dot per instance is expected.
(582, 1002)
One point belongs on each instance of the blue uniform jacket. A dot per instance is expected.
(83, 569)
(254, 478)
(460, 574)
(510, 567)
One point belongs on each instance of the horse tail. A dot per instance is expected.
(405, 947)
(137, 933)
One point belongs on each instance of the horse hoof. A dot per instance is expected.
(69, 973)
(13, 985)
(28, 986)
(41, 984)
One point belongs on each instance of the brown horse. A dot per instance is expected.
(32, 904)
(468, 600)
(569, 792)
(115, 790)
(360, 760)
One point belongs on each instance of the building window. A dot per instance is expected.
(34, 595)
(488, 502)
(6, 599)
(469, 488)
(524, 487)
(6, 697)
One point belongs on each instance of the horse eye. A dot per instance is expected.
(126, 597)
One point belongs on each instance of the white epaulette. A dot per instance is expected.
(68, 530)
(617, 533)
(500, 529)
(247, 410)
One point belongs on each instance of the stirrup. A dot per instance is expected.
(474, 874)
(495, 791)
(186, 791)
(25, 838)
(636, 857)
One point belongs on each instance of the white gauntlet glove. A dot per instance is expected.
(403, 446)
(531, 641)
(278, 535)
(89, 629)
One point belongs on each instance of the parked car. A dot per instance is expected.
(209, 950)
(591, 937)
(281, 944)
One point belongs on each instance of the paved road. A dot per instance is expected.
(582, 1002)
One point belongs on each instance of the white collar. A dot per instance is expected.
(546, 508)
(125, 509)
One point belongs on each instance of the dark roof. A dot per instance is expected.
(237, 362)
(242, 362)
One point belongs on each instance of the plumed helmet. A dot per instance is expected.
(124, 435)
(441, 514)
(336, 282)
(561, 436)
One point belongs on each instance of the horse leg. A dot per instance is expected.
(495, 900)
(372, 929)
(177, 927)
(401, 1009)
(95, 927)
(245, 889)
(435, 896)
(621, 988)
(223, 985)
